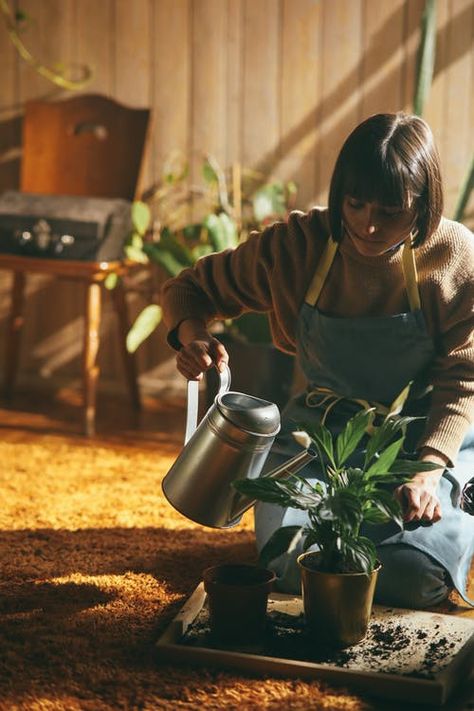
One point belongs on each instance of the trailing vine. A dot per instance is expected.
(11, 23)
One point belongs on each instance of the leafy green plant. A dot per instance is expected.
(424, 79)
(179, 223)
(354, 491)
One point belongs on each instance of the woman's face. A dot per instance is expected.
(375, 229)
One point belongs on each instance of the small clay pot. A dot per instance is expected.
(237, 601)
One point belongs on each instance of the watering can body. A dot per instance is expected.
(232, 442)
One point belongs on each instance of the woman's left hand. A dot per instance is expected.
(418, 497)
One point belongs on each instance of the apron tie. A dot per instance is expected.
(326, 398)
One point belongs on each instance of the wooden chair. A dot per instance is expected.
(85, 145)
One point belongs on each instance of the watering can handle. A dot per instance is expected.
(193, 400)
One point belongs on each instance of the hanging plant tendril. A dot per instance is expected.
(44, 71)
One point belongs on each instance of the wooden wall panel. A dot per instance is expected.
(171, 80)
(261, 73)
(300, 94)
(274, 84)
(341, 90)
(458, 98)
(382, 59)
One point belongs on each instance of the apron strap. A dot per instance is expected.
(322, 270)
(411, 275)
(409, 271)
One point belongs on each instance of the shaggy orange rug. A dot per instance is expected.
(94, 564)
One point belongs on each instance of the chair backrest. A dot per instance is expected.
(84, 145)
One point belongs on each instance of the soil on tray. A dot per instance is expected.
(386, 647)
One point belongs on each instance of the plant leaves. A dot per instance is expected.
(412, 466)
(144, 325)
(426, 57)
(282, 540)
(111, 281)
(351, 435)
(383, 464)
(322, 438)
(269, 201)
(141, 216)
(388, 505)
(208, 173)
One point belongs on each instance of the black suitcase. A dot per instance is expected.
(64, 226)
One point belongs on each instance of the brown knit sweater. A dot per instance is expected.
(272, 270)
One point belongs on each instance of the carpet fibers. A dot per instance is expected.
(94, 564)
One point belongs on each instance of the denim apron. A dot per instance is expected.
(367, 360)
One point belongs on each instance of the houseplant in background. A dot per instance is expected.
(178, 223)
(338, 579)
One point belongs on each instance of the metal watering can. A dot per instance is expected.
(231, 442)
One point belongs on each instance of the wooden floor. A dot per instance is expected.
(51, 410)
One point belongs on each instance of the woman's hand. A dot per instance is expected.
(200, 350)
(418, 497)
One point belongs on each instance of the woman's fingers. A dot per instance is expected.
(418, 503)
(200, 355)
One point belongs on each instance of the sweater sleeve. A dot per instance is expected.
(224, 284)
(269, 272)
(452, 406)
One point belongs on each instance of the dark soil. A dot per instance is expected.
(286, 638)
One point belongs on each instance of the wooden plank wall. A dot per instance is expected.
(275, 84)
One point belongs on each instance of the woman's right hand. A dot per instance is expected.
(200, 350)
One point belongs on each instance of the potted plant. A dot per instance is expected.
(227, 207)
(360, 467)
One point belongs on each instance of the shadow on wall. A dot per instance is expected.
(342, 92)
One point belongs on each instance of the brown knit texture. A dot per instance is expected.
(272, 272)
(94, 564)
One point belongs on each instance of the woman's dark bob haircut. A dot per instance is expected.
(390, 159)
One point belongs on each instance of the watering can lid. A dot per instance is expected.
(250, 413)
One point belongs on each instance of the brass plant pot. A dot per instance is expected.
(337, 606)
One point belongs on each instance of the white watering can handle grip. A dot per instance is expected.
(193, 400)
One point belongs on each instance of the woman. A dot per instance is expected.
(372, 293)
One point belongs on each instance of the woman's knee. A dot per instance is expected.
(409, 578)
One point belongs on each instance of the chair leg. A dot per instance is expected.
(91, 349)
(129, 362)
(13, 336)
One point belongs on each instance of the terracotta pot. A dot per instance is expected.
(237, 600)
(337, 606)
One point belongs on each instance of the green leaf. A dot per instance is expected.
(351, 435)
(208, 173)
(359, 554)
(170, 241)
(388, 505)
(410, 466)
(281, 541)
(426, 57)
(111, 281)
(322, 438)
(162, 257)
(135, 254)
(464, 193)
(201, 250)
(384, 433)
(229, 230)
(397, 405)
(293, 491)
(144, 325)
(269, 201)
(383, 464)
(141, 216)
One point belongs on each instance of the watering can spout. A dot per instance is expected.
(243, 503)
